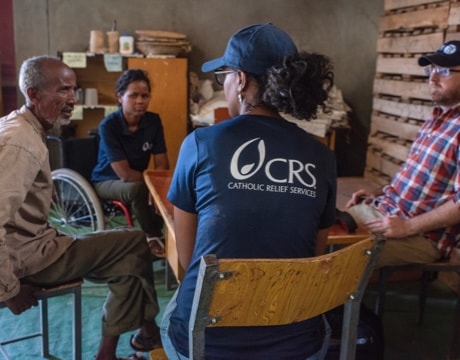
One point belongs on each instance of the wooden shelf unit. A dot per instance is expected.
(169, 81)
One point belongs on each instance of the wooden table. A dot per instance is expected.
(158, 182)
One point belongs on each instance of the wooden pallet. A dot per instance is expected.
(401, 4)
(431, 15)
(402, 101)
(454, 14)
(395, 106)
(414, 88)
(407, 43)
(395, 126)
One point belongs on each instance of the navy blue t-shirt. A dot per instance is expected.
(118, 143)
(261, 187)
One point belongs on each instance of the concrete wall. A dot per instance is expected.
(345, 30)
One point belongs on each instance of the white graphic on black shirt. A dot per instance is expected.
(294, 172)
(147, 146)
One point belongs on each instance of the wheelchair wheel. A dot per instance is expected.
(75, 208)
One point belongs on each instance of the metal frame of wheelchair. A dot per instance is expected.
(75, 207)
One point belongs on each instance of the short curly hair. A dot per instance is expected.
(128, 77)
(298, 85)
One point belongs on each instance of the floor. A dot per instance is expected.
(403, 339)
(60, 309)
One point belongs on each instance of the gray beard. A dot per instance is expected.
(63, 121)
(57, 127)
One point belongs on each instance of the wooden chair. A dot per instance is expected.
(74, 288)
(268, 292)
(428, 271)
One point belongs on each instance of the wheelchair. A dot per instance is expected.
(75, 207)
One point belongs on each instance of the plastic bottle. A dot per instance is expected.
(126, 44)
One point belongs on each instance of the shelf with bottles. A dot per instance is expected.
(96, 71)
(97, 75)
(169, 79)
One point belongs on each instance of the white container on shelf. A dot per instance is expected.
(91, 97)
(126, 44)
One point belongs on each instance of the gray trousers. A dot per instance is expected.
(409, 250)
(136, 195)
(122, 260)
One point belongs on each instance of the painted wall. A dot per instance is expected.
(345, 30)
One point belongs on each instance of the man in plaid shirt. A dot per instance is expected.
(419, 211)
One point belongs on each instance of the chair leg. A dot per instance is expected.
(44, 327)
(426, 276)
(77, 333)
(381, 292)
(454, 347)
(349, 330)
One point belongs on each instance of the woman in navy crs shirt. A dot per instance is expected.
(255, 186)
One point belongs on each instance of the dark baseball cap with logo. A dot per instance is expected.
(254, 49)
(447, 55)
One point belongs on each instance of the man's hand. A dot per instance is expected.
(359, 197)
(24, 300)
(391, 226)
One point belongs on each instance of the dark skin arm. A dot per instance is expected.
(126, 174)
(185, 225)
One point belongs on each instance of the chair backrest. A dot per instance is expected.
(78, 154)
(267, 292)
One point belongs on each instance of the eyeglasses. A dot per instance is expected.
(441, 71)
(221, 74)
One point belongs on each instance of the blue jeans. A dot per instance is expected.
(173, 354)
(170, 350)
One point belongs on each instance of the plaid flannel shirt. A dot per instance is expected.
(429, 177)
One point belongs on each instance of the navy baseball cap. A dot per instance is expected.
(447, 55)
(254, 49)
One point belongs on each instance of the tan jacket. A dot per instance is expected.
(27, 243)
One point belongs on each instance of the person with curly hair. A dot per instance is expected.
(255, 186)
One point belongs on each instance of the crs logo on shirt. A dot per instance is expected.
(147, 146)
(293, 169)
